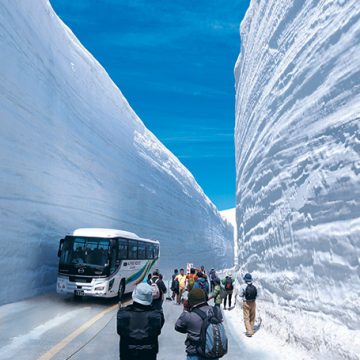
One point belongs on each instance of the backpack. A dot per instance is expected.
(229, 284)
(213, 343)
(191, 281)
(155, 290)
(223, 293)
(204, 285)
(175, 285)
(250, 292)
(213, 276)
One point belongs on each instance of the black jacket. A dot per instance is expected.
(139, 327)
(157, 303)
(160, 284)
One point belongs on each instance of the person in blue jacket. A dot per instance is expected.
(202, 283)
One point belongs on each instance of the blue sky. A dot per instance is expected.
(173, 61)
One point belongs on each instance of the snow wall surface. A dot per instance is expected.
(298, 169)
(230, 216)
(74, 154)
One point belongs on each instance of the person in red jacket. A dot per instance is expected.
(191, 279)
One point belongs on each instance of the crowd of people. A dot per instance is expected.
(140, 323)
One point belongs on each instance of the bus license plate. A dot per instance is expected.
(79, 292)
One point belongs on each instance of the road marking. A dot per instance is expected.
(20, 342)
(63, 343)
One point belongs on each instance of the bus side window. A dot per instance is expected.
(153, 248)
(156, 250)
(149, 251)
(133, 247)
(141, 250)
(113, 257)
(123, 249)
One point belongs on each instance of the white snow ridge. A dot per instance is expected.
(74, 154)
(298, 169)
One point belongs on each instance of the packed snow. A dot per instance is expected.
(74, 154)
(230, 216)
(298, 165)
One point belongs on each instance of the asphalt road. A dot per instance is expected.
(53, 327)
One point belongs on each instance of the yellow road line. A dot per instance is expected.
(63, 343)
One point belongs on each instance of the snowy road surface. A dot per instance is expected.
(52, 327)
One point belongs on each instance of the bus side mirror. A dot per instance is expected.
(60, 247)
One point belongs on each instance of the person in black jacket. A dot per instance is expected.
(158, 280)
(174, 284)
(139, 326)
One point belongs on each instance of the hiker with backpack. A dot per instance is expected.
(202, 269)
(213, 277)
(191, 278)
(206, 337)
(248, 293)
(158, 290)
(217, 293)
(228, 285)
(174, 284)
(201, 283)
(139, 326)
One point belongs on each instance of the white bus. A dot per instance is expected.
(104, 262)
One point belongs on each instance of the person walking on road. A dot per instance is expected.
(174, 284)
(213, 277)
(139, 326)
(202, 283)
(158, 299)
(216, 293)
(181, 278)
(248, 293)
(202, 269)
(191, 278)
(228, 284)
(190, 322)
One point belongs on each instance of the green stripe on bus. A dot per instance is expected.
(140, 275)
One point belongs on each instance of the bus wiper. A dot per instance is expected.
(90, 266)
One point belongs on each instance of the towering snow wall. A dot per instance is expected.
(74, 154)
(298, 168)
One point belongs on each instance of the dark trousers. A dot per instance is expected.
(138, 356)
(229, 295)
(157, 304)
(132, 353)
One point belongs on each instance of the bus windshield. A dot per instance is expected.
(85, 251)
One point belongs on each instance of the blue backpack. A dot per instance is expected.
(204, 285)
(213, 342)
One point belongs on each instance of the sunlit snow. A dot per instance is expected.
(298, 169)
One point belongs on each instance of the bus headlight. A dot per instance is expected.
(100, 288)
